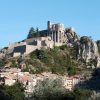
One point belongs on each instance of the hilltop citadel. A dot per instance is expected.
(54, 35)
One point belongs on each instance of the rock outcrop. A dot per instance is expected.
(88, 50)
(71, 35)
(98, 44)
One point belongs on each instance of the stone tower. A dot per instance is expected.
(56, 32)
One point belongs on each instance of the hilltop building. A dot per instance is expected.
(54, 35)
(57, 33)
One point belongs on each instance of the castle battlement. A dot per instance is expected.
(55, 35)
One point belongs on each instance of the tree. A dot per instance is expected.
(50, 89)
(14, 92)
(31, 32)
(37, 31)
(40, 54)
(71, 70)
(1, 63)
(82, 94)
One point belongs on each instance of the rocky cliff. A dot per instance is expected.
(87, 49)
(71, 35)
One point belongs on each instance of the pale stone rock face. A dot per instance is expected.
(95, 48)
(88, 49)
(71, 35)
(98, 62)
(98, 59)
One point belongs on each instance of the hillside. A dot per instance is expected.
(57, 49)
(58, 52)
(59, 60)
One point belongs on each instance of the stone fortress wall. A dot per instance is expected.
(55, 35)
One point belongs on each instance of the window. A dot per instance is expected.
(33, 43)
(43, 43)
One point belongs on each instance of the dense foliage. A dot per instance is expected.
(57, 60)
(1, 63)
(48, 89)
(52, 89)
(14, 92)
(33, 33)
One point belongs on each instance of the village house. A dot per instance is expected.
(71, 82)
(10, 79)
(10, 76)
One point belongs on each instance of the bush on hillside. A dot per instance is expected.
(14, 92)
(56, 60)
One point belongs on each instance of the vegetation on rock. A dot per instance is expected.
(57, 60)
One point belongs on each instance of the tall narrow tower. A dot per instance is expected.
(56, 32)
(48, 25)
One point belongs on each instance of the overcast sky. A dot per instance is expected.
(17, 16)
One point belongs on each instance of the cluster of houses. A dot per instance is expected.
(10, 76)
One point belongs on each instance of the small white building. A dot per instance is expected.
(70, 82)
(10, 80)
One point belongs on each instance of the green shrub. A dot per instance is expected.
(56, 60)
(2, 63)
(49, 89)
(82, 94)
(71, 71)
(63, 47)
(14, 92)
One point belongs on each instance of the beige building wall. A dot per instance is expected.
(68, 84)
(16, 54)
(30, 49)
(16, 44)
(58, 44)
(9, 82)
